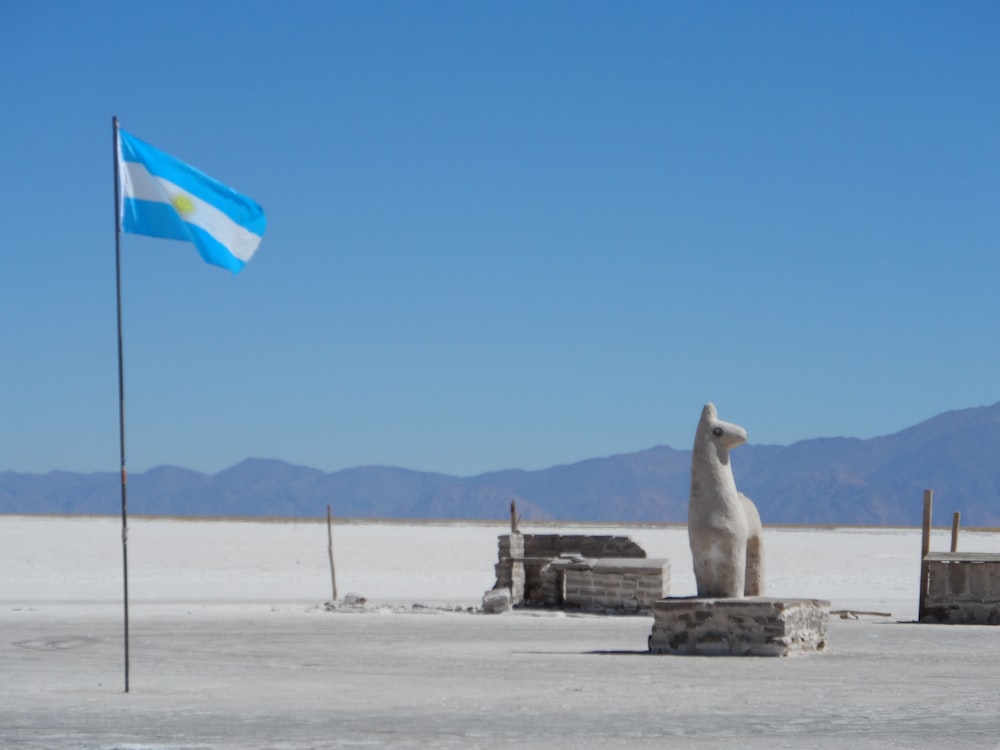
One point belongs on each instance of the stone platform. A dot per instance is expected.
(753, 626)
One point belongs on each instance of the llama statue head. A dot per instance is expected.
(717, 437)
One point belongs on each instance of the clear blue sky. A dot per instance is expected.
(501, 234)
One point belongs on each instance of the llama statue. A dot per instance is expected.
(723, 524)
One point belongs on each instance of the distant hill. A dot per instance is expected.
(821, 481)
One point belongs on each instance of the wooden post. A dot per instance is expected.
(956, 517)
(513, 517)
(925, 548)
(329, 548)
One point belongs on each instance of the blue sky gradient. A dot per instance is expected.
(500, 234)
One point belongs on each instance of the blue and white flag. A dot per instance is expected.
(164, 197)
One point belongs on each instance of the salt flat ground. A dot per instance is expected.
(231, 646)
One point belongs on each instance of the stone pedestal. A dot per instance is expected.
(755, 626)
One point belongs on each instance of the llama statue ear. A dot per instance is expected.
(709, 411)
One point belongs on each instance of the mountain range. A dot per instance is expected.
(843, 481)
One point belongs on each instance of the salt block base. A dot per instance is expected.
(754, 626)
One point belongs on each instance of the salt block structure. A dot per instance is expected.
(617, 585)
(739, 627)
(590, 573)
(957, 588)
(963, 588)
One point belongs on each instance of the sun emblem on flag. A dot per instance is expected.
(182, 204)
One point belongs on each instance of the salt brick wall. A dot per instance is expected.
(622, 591)
(510, 568)
(963, 592)
(964, 580)
(522, 557)
(554, 545)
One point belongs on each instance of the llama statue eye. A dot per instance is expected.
(717, 432)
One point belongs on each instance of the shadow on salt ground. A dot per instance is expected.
(583, 653)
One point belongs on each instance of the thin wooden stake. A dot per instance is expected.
(954, 530)
(329, 549)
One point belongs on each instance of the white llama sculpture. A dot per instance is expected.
(723, 524)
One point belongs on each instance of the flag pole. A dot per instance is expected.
(121, 388)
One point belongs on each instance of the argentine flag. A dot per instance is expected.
(164, 197)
